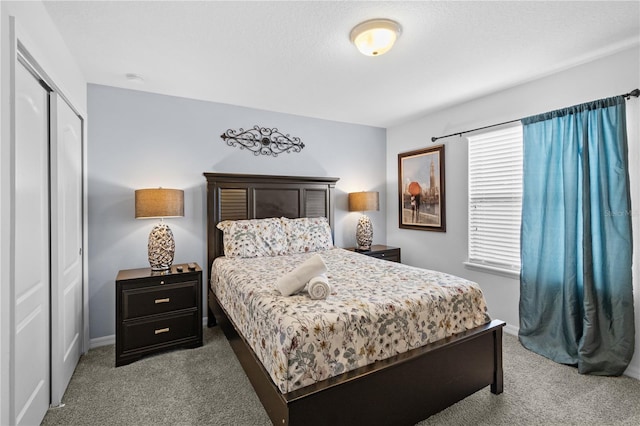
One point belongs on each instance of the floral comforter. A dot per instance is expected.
(377, 309)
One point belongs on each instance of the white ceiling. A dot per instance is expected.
(296, 57)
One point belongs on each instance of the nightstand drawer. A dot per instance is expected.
(391, 255)
(170, 328)
(145, 301)
(380, 251)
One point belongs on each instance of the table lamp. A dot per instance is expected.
(160, 203)
(362, 202)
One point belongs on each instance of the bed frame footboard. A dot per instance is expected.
(399, 391)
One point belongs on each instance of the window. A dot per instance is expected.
(495, 199)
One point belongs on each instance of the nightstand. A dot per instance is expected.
(381, 252)
(156, 311)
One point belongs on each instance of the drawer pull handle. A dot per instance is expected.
(163, 300)
(161, 282)
(162, 330)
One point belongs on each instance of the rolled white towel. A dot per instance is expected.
(319, 287)
(295, 280)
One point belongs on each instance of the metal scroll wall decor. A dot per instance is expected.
(263, 141)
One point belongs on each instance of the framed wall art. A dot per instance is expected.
(421, 189)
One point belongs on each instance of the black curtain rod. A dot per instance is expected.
(634, 93)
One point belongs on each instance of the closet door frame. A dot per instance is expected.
(29, 61)
(8, 42)
(14, 50)
(25, 56)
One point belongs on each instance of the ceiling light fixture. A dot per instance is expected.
(376, 36)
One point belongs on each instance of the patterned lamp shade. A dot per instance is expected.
(160, 203)
(362, 202)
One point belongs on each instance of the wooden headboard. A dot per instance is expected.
(238, 196)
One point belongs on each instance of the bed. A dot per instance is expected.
(402, 389)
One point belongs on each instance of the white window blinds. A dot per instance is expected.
(495, 198)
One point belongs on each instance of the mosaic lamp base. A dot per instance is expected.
(364, 233)
(161, 247)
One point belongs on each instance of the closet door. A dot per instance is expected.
(66, 245)
(31, 263)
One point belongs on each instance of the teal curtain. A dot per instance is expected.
(576, 294)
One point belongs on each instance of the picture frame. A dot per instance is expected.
(421, 189)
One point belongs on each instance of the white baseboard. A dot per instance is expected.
(632, 371)
(102, 341)
(511, 329)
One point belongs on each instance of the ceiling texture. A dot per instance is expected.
(295, 56)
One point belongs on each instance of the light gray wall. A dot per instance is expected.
(614, 75)
(140, 140)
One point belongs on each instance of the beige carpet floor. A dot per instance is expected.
(207, 386)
